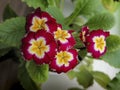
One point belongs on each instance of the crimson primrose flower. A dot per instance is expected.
(64, 38)
(84, 32)
(64, 61)
(96, 42)
(39, 46)
(40, 20)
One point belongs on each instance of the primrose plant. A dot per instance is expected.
(46, 41)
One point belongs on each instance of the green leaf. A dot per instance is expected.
(12, 31)
(58, 3)
(101, 21)
(85, 78)
(8, 13)
(83, 7)
(79, 21)
(89, 7)
(71, 74)
(101, 78)
(113, 58)
(56, 13)
(113, 43)
(4, 49)
(52, 3)
(115, 83)
(113, 54)
(38, 73)
(25, 79)
(86, 64)
(36, 3)
(111, 5)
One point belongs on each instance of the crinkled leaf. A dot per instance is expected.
(3, 45)
(113, 43)
(83, 7)
(11, 31)
(36, 3)
(101, 78)
(113, 58)
(79, 21)
(115, 83)
(113, 54)
(4, 49)
(56, 13)
(25, 79)
(88, 7)
(8, 13)
(101, 21)
(85, 78)
(38, 73)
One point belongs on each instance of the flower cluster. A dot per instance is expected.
(95, 41)
(47, 43)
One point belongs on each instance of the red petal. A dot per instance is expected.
(28, 37)
(52, 26)
(25, 52)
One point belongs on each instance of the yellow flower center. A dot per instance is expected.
(99, 43)
(63, 58)
(38, 47)
(38, 24)
(61, 35)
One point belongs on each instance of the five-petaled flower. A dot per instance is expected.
(39, 46)
(64, 38)
(96, 42)
(64, 60)
(40, 20)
